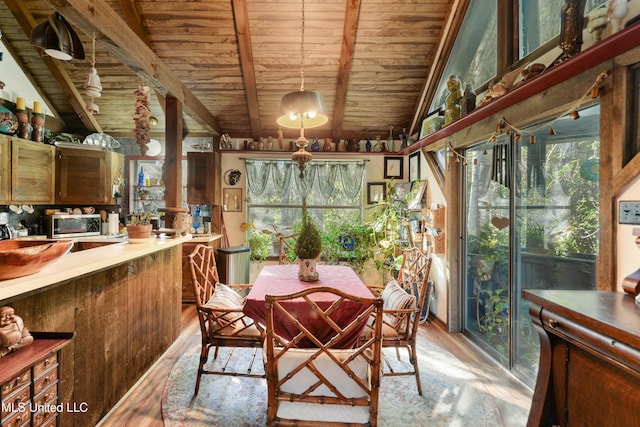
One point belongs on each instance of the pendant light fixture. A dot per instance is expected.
(302, 109)
(57, 38)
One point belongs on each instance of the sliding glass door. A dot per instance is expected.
(531, 222)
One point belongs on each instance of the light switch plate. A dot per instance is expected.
(629, 212)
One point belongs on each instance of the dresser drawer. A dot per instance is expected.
(45, 396)
(42, 418)
(18, 401)
(18, 418)
(44, 381)
(45, 364)
(16, 382)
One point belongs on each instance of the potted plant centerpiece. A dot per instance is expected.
(308, 248)
(139, 226)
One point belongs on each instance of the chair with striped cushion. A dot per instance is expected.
(403, 300)
(222, 322)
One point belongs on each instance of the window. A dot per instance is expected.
(474, 55)
(275, 193)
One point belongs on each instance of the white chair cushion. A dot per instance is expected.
(302, 380)
(339, 378)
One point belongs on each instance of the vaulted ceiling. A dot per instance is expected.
(230, 61)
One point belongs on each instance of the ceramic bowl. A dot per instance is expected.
(24, 257)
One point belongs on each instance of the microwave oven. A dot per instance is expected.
(67, 225)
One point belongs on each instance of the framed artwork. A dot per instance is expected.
(232, 199)
(431, 123)
(414, 166)
(401, 190)
(416, 194)
(376, 192)
(393, 167)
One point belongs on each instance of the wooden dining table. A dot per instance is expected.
(283, 280)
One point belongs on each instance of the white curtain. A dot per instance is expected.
(278, 174)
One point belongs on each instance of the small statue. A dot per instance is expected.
(468, 101)
(281, 139)
(13, 334)
(452, 112)
(404, 143)
(616, 12)
(367, 145)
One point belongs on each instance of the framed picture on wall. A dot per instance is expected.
(376, 192)
(414, 166)
(232, 199)
(416, 195)
(393, 167)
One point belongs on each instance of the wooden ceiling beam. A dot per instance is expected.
(350, 27)
(26, 21)
(241, 21)
(114, 35)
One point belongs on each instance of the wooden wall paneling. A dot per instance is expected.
(612, 151)
(116, 349)
(91, 329)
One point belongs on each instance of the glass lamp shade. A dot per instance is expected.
(92, 86)
(302, 109)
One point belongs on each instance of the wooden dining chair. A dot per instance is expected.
(403, 301)
(286, 245)
(219, 309)
(323, 385)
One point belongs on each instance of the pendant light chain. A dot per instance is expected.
(302, 52)
(93, 54)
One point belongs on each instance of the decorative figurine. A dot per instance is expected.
(13, 334)
(452, 112)
(367, 145)
(404, 143)
(571, 29)
(468, 101)
(281, 139)
(616, 12)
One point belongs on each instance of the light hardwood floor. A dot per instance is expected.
(141, 407)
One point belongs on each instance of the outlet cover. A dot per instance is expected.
(629, 213)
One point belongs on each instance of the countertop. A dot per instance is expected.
(76, 264)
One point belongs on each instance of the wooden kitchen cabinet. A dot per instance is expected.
(589, 371)
(86, 176)
(203, 182)
(5, 169)
(32, 172)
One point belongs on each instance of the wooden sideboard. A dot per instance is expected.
(29, 381)
(589, 373)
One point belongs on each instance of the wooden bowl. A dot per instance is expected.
(23, 257)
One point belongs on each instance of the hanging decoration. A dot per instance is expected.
(505, 127)
(141, 117)
(93, 86)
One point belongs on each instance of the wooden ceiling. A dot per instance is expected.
(230, 61)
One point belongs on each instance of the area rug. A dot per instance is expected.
(451, 395)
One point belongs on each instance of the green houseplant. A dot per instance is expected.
(308, 248)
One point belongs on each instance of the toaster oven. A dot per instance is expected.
(68, 225)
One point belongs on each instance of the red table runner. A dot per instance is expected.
(283, 280)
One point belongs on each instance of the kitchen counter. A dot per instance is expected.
(75, 264)
(121, 301)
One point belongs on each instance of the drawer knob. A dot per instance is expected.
(553, 323)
